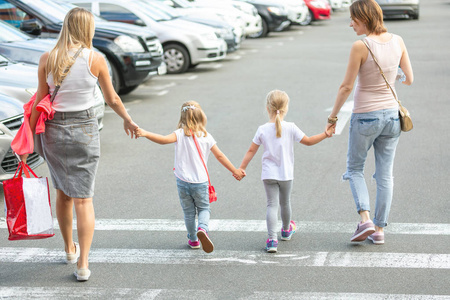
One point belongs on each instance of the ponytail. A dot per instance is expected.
(278, 127)
(277, 103)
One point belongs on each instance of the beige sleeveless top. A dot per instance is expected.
(371, 91)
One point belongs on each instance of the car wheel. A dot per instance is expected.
(415, 17)
(176, 58)
(115, 77)
(307, 20)
(264, 31)
(128, 89)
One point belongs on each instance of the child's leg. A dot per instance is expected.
(285, 203)
(272, 192)
(188, 206)
(200, 195)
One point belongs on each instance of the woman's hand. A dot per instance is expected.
(330, 129)
(130, 127)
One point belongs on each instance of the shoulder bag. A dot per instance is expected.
(405, 118)
(211, 190)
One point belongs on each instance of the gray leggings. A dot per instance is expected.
(277, 191)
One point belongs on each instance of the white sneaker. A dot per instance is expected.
(72, 258)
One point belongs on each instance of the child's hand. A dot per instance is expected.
(239, 174)
(330, 130)
(139, 132)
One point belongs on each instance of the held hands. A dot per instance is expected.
(239, 174)
(139, 132)
(330, 129)
(130, 127)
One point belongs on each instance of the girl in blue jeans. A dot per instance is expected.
(192, 179)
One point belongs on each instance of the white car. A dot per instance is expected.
(297, 10)
(336, 4)
(185, 43)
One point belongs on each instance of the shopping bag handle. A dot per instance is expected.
(23, 167)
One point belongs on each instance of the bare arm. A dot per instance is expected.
(405, 64)
(100, 69)
(249, 156)
(226, 162)
(309, 141)
(157, 138)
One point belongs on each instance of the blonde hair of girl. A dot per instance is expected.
(277, 105)
(77, 31)
(192, 118)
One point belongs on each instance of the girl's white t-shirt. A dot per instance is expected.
(188, 165)
(278, 156)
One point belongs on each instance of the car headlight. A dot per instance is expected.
(223, 33)
(209, 36)
(277, 10)
(318, 4)
(128, 44)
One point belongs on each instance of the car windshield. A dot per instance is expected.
(152, 11)
(172, 12)
(184, 3)
(51, 10)
(11, 33)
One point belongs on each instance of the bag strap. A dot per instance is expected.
(23, 167)
(381, 72)
(201, 156)
(66, 71)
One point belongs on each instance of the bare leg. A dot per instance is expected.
(379, 229)
(84, 209)
(64, 214)
(364, 215)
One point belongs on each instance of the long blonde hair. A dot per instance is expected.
(192, 118)
(77, 31)
(278, 105)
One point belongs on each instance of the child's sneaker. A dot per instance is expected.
(207, 245)
(363, 231)
(377, 238)
(194, 244)
(286, 235)
(271, 246)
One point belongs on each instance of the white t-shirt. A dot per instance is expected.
(188, 165)
(278, 156)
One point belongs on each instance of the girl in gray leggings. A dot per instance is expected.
(278, 138)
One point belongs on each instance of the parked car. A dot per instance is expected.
(132, 53)
(20, 81)
(400, 8)
(11, 118)
(222, 29)
(274, 16)
(185, 43)
(336, 4)
(318, 10)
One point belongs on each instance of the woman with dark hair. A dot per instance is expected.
(71, 142)
(375, 121)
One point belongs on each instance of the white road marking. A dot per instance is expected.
(176, 77)
(229, 257)
(151, 86)
(226, 225)
(20, 292)
(343, 116)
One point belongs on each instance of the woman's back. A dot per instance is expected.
(371, 91)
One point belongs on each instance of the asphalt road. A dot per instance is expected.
(140, 249)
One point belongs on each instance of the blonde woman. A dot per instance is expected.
(192, 179)
(375, 120)
(71, 141)
(278, 138)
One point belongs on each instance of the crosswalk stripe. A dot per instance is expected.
(230, 257)
(228, 225)
(150, 294)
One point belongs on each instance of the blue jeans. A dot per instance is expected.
(194, 198)
(380, 129)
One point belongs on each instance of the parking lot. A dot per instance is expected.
(140, 250)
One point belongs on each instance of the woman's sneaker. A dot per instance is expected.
(286, 235)
(271, 246)
(377, 238)
(207, 245)
(194, 244)
(363, 231)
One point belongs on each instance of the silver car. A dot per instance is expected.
(400, 8)
(11, 117)
(185, 43)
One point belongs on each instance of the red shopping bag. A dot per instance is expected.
(28, 208)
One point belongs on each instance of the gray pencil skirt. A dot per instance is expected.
(71, 145)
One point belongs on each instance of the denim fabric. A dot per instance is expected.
(277, 192)
(380, 129)
(194, 199)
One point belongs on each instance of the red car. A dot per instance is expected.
(318, 10)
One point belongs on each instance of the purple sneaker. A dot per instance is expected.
(377, 238)
(207, 245)
(194, 244)
(286, 235)
(363, 231)
(271, 246)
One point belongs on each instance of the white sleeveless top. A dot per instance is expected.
(371, 92)
(77, 90)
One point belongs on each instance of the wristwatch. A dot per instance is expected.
(332, 120)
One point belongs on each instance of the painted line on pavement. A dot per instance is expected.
(19, 292)
(257, 226)
(229, 257)
(175, 77)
